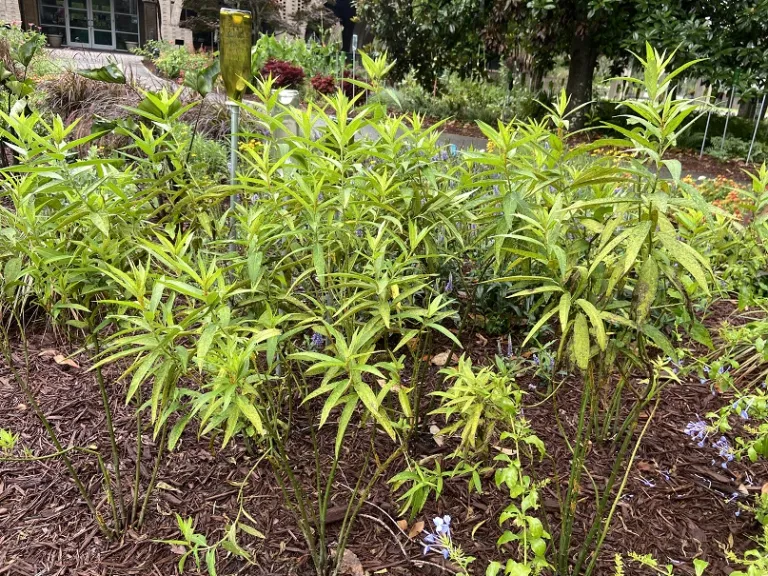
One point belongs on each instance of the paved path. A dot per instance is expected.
(132, 66)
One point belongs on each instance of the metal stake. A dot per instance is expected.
(354, 63)
(757, 126)
(706, 127)
(728, 116)
(234, 128)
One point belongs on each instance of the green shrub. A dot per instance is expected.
(314, 58)
(733, 148)
(173, 61)
(464, 99)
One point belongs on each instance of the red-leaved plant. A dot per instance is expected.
(351, 90)
(285, 74)
(323, 84)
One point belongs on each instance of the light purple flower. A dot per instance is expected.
(318, 340)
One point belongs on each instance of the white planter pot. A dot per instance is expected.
(130, 46)
(289, 97)
(54, 40)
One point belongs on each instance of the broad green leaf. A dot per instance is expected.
(644, 294)
(686, 256)
(346, 415)
(205, 341)
(659, 340)
(210, 561)
(565, 310)
(635, 242)
(110, 73)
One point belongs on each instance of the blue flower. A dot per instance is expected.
(697, 430)
(359, 233)
(430, 538)
(725, 451)
(318, 340)
(449, 284)
(706, 369)
(446, 553)
(536, 360)
(442, 525)
(509, 346)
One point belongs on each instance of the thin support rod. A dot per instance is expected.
(728, 116)
(757, 127)
(234, 114)
(706, 127)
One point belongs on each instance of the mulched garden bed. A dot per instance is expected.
(677, 504)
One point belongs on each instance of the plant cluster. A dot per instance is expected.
(173, 61)
(466, 99)
(313, 57)
(301, 310)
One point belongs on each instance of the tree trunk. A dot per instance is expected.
(747, 108)
(581, 70)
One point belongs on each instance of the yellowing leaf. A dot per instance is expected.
(581, 341)
(253, 416)
(250, 530)
(645, 290)
(64, 361)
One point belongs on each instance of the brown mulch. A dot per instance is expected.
(677, 505)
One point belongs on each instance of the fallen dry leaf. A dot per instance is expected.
(435, 431)
(402, 524)
(416, 529)
(178, 549)
(351, 565)
(442, 358)
(64, 361)
(383, 383)
(645, 466)
(166, 486)
(48, 353)
(743, 490)
(764, 489)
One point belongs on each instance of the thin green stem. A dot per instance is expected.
(122, 520)
(155, 469)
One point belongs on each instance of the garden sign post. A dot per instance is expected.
(235, 54)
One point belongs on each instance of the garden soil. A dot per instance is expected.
(678, 505)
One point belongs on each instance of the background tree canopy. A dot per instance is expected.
(460, 35)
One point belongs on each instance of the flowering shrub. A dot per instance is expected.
(284, 74)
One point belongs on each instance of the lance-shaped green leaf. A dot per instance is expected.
(110, 73)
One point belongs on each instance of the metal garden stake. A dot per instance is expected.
(354, 62)
(757, 126)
